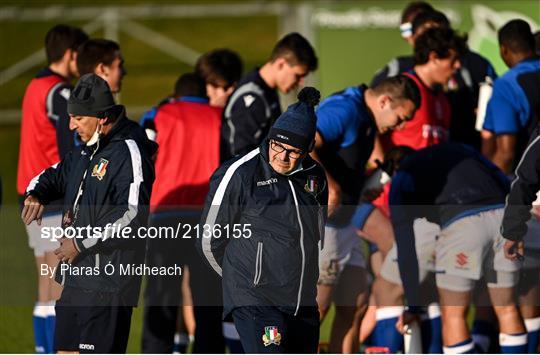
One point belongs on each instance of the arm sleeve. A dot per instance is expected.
(222, 207)
(502, 115)
(57, 112)
(333, 118)
(129, 200)
(249, 118)
(50, 184)
(490, 70)
(522, 193)
(322, 199)
(336, 120)
(402, 220)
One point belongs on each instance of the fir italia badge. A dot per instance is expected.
(271, 336)
(312, 185)
(100, 169)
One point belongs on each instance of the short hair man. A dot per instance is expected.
(436, 56)
(221, 69)
(346, 126)
(462, 89)
(45, 139)
(272, 197)
(511, 122)
(455, 187)
(106, 186)
(254, 105)
(102, 57)
(183, 170)
(513, 110)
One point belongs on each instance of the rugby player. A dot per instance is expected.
(462, 192)
(254, 105)
(45, 139)
(347, 123)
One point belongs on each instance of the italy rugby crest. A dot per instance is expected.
(312, 185)
(271, 336)
(100, 169)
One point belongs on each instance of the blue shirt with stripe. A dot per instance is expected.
(510, 108)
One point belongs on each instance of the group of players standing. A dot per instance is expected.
(431, 219)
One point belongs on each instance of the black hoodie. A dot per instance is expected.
(116, 189)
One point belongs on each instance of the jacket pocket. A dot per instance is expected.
(258, 264)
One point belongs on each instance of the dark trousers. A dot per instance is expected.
(90, 321)
(265, 329)
(159, 327)
(207, 307)
(163, 295)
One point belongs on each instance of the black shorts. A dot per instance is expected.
(90, 321)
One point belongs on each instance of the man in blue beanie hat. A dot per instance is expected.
(261, 226)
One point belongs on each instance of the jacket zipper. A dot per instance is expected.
(258, 264)
(97, 260)
(301, 248)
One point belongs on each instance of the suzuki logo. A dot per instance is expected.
(462, 259)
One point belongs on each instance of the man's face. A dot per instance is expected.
(218, 95)
(114, 73)
(444, 68)
(289, 76)
(85, 126)
(392, 114)
(284, 158)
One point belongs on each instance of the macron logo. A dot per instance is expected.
(86, 346)
(65, 93)
(282, 137)
(267, 182)
(248, 100)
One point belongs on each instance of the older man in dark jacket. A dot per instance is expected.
(262, 223)
(106, 185)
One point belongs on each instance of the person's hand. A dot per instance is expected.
(67, 251)
(32, 210)
(405, 319)
(513, 250)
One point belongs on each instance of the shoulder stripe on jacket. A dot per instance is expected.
(133, 197)
(50, 101)
(35, 179)
(242, 90)
(216, 204)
